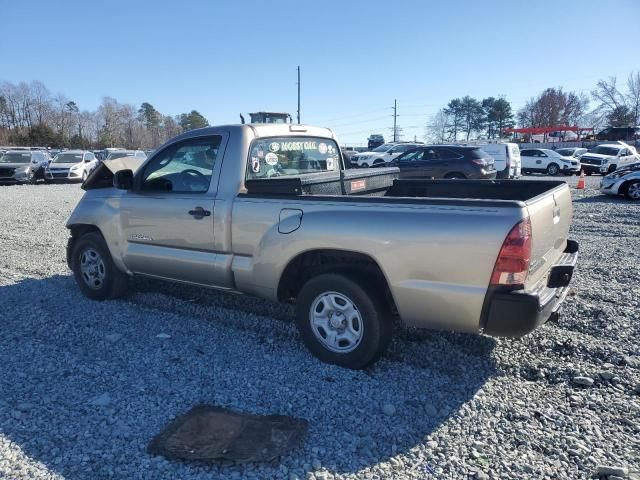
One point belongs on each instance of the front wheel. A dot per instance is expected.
(632, 190)
(342, 321)
(553, 169)
(94, 270)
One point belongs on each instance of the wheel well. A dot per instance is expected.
(80, 229)
(315, 262)
(625, 185)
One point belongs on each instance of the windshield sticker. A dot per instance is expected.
(330, 164)
(274, 147)
(322, 148)
(260, 153)
(293, 146)
(255, 164)
(331, 149)
(271, 158)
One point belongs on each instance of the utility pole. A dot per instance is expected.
(395, 116)
(298, 94)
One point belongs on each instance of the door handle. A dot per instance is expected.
(199, 212)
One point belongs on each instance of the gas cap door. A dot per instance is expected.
(290, 220)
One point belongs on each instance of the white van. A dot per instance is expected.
(507, 158)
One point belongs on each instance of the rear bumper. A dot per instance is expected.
(516, 313)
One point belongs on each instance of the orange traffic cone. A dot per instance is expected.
(581, 181)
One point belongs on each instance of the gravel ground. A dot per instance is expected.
(85, 385)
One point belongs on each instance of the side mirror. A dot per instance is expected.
(123, 179)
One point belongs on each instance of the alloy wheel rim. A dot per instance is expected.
(634, 191)
(92, 269)
(336, 322)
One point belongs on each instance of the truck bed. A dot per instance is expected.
(384, 182)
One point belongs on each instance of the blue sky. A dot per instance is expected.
(223, 58)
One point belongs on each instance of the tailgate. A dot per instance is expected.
(550, 215)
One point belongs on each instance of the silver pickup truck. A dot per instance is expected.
(269, 211)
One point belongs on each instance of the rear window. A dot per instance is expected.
(278, 156)
(477, 153)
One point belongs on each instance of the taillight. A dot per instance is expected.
(513, 261)
(480, 161)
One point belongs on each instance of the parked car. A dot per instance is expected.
(475, 257)
(126, 153)
(506, 157)
(72, 165)
(446, 161)
(624, 181)
(23, 166)
(619, 133)
(381, 156)
(374, 141)
(544, 160)
(574, 152)
(607, 158)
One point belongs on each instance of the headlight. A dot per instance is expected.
(22, 170)
(76, 167)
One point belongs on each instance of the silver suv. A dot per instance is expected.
(23, 166)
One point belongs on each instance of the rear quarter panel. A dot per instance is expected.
(437, 259)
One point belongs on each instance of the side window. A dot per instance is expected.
(411, 157)
(431, 154)
(446, 154)
(183, 167)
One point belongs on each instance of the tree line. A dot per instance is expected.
(614, 105)
(31, 115)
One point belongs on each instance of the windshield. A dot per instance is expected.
(119, 154)
(16, 157)
(68, 158)
(565, 152)
(278, 156)
(383, 148)
(605, 150)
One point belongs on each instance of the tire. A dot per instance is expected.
(455, 176)
(94, 270)
(589, 173)
(371, 327)
(612, 168)
(632, 190)
(84, 176)
(553, 169)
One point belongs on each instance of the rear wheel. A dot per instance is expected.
(94, 270)
(632, 190)
(342, 320)
(553, 169)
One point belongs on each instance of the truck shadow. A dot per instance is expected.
(85, 385)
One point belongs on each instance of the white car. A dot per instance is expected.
(607, 158)
(382, 155)
(74, 165)
(544, 160)
(624, 181)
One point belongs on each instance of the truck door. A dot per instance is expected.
(167, 219)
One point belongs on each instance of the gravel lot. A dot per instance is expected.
(84, 385)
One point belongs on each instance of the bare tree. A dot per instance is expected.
(436, 128)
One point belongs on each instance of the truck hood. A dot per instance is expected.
(597, 155)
